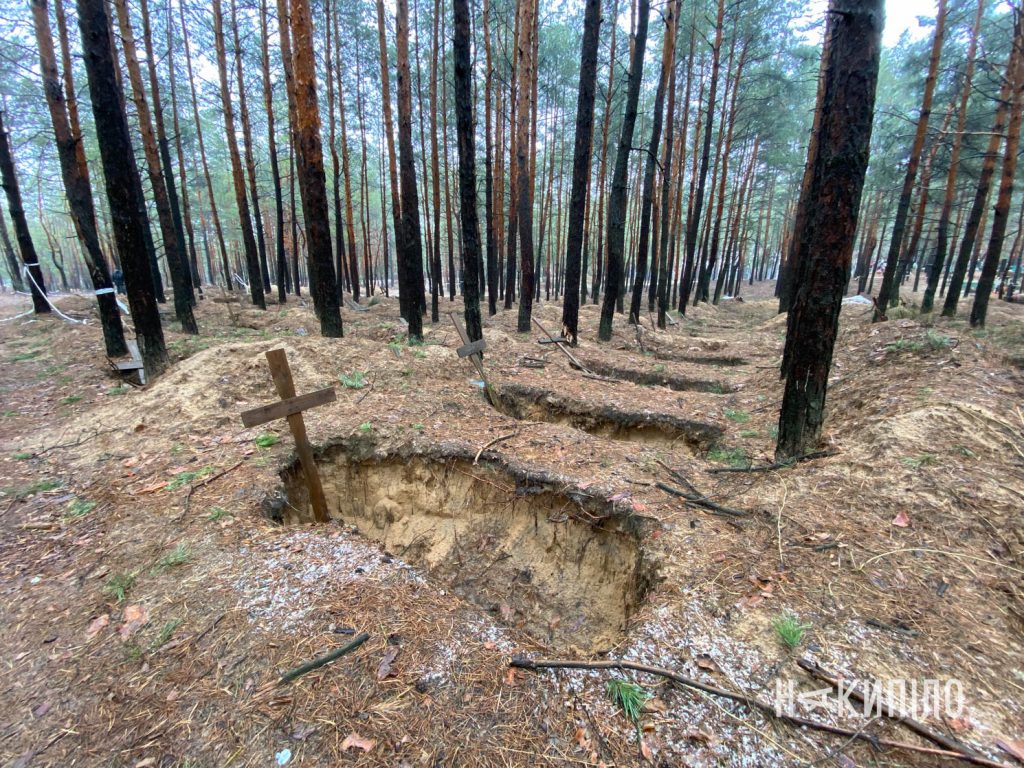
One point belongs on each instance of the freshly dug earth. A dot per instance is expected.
(159, 570)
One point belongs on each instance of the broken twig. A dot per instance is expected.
(324, 660)
(495, 441)
(765, 708)
(774, 465)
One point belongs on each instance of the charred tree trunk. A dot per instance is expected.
(123, 186)
(823, 259)
(312, 181)
(581, 169)
(617, 201)
(275, 169)
(74, 172)
(524, 170)
(410, 268)
(467, 170)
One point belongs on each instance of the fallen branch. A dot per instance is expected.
(701, 501)
(774, 465)
(521, 662)
(324, 660)
(919, 728)
(206, 481)
(495, 441)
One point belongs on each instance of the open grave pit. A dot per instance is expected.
(608, 421)
(565, 567)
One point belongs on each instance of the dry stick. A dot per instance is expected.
(920, 729)
(321, 661)
(196, 486)
(575, 360)
(774, 465)
(495, 441)
(701, 501)
(522, 662)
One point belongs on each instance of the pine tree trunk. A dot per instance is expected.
(524, 168)
(275, 169)
(617, 201)
(467, 170)
(123, 187)
(1001, 212)
(824, 255)
(74, 172)
(12, 261)
(410, 268)
(252, 258)
(309, 158)
(177, 262)
(890, 288)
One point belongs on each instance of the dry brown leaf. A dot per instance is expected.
(902, 520)
(97, 625)
(135, 618)
(355, 741)
(384, 668)
(645, 750)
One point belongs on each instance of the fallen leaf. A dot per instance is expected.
(707, 664)
(304, 732)
(645, 750)
(701, 736)
(355, 741)
(41, 710)
(490, 645)
(384, 668)
(97, 625)
(152, 488)
(506, 611)
(902, 520)
(135, 617)
(959, 724)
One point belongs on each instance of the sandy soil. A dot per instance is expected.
(159, 571)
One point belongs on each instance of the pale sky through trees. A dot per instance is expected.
(900, 16)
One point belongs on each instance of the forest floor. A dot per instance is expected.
(159, 572)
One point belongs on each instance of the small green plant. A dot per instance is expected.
(420, 354)
(734, 457)
(188, 477)
(407, 372)
(39, 486)
(165, 634)
(120, 584)
(373, 301)
(356, 380)
(659, 368)
(963, 450)
(132, 651)
(904, 345)
(366, 427)
(418, 427)
(79, 508)
(629, 697)
(22, 356)
(789, 629)
(266, 440)
(22, 456)
(916, 462)
(217, 514)
(118, 390)
(177, 556)
(716, 389)
(10, 414)
(749, 433)
(71, 399)
(395, 347)
(773, 432)
(737, 415)
(936, 340)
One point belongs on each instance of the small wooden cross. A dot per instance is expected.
(291, 407)
(472, 350)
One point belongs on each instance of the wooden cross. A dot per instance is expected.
(472, 350)
(135, 364)
(291, 407)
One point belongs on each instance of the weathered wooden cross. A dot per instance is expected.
(472, 350)
(291, 407)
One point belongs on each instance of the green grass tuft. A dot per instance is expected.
(188, 477)
(737, 415)
(120, 584)
(629, 697)
(266, 440)
(165, 633)
(734, 457)
(356, 380)
(79, 508)
(916, 462)
(22, 456)
(789, 629)
(366, 427)
(177, 556)
(71, 399)
(217, 514)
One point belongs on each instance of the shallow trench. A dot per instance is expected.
(554, 564)
(659, 378)
(537, 404)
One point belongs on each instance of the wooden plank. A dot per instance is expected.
(285, 408)
(128, 365)
(473, 348)
(557, 342)
(282, 375)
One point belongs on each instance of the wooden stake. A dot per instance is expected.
(291, 408)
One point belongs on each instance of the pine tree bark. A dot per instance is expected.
(29, 258)
(890, 288)
(309, 158)
(214, 215)
(823, 259)
(281, 262)
(584, 136)
(524, 167)
(177, 262)
(489, 206)
(975, 219)
(17, 282)
(435, 168)
(410, 268)
(123, 186)
(353, 261)
(617, 201)
(467, 169)
(252, 258)
(1001, 212)
(74, 172)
